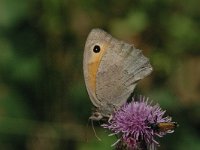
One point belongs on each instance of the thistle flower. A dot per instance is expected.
(138, 123)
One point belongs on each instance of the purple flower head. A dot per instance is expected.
(139, 123)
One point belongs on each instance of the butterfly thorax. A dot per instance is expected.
(104, 112)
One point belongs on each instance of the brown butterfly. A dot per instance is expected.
(111, 69)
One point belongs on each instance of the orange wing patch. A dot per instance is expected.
(93, 65)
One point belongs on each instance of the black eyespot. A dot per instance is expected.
(96, 49)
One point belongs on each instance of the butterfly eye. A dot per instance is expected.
(96, 49)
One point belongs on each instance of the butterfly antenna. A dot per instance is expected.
(86, 131)
(95, 131)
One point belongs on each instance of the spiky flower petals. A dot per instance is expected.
(137, 123)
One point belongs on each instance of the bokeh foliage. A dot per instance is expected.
(43, 100)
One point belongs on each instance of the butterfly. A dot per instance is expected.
(111, 70)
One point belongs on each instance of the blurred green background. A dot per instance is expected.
(43, 101)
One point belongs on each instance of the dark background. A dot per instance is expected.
(43, 101)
